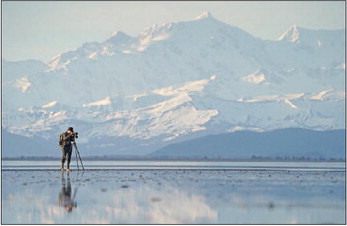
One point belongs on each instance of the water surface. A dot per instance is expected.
(174, 193)
(152, 164)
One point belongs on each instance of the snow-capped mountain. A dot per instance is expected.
(177, 81)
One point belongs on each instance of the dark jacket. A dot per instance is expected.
(68, 138)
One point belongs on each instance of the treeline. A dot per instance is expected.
(294, 158)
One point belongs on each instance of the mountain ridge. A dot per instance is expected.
(178, 81)
(292, 143)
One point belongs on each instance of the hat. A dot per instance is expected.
(70, 128)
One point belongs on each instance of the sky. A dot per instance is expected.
(43, 29)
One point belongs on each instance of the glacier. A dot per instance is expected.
(178, 81)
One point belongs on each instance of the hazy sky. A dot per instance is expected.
(42, 29)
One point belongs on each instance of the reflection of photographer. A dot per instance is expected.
(65, 141)
(66, 200)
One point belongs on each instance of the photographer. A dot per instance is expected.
(66, 140)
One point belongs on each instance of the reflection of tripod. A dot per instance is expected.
(78, 157)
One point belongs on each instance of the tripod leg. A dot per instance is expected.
(78, 168)
(80, 160)
(79, 155)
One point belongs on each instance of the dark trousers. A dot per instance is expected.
(66, 154)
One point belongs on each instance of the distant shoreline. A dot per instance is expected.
(174, 159)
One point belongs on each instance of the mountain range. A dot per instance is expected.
(289, 144)
(175, 82)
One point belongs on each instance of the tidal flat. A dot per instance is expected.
(173, 196)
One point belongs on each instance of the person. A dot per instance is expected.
(67, 138)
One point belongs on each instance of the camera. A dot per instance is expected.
(75, 134)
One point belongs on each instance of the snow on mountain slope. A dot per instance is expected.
(313, 38)
(179, 80)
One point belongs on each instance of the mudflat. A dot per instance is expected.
(173, 196)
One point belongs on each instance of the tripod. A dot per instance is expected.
(78, 156)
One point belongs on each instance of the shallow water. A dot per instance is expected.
(153, 164)
(201, 195)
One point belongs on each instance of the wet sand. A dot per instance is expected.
(173, 196)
